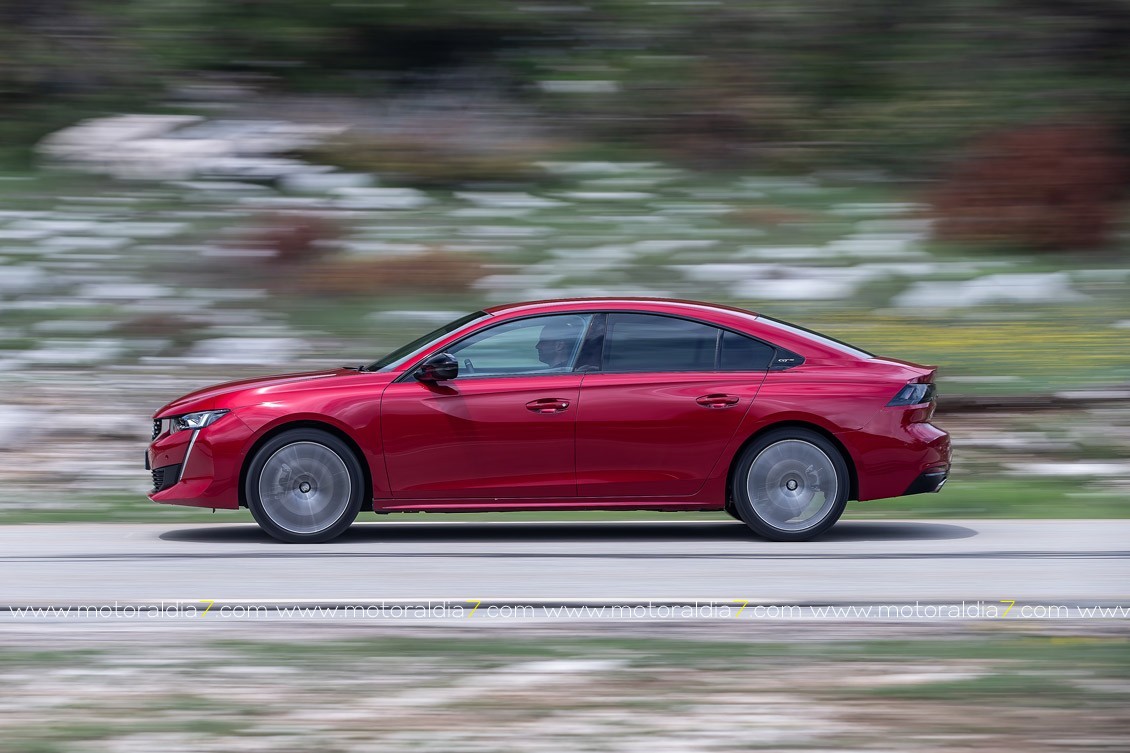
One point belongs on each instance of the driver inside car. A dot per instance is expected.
(556, 343)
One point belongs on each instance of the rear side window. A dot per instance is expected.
(642, 342)
(741, 353)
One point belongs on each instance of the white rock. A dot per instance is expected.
(1054, 287)
(782, 253)
(427, 317)
(505, 231)
(228, 186)
(694, 208)
(1080, 468)
(884, 246)
(126, 291)
(72, 326)
(81, 140)
(514, 283)
(794, 290)
(579, 87)
(75, 352)
(853, 209)
(612, 168)
(17, 424)
(514, 200)
(18, 279)
(586, 291)
(325, 182)
(139, 229)
(667, 246)
(17, 234)
(380, 198)
(250, 168)
(381, 248)
(894, 226)
(247, 350)
(482, 248)
(488, 213)
(83, 242)
(53, 226)
(608, 195)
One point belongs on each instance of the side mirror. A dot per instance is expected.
(438, 368)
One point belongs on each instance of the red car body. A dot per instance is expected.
(573, 441)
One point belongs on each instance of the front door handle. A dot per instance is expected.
(718, 401)
(547, 405)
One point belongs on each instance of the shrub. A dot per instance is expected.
(1048, 187)
(429, 162)
(436, 271)
(292, 237)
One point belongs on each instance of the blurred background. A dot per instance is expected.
(193, 191)
(199, 190)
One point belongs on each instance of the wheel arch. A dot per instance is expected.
(366, 471)
(853, 474)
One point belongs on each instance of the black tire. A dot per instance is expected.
(314, 486)
(731, 510)
(794, 469)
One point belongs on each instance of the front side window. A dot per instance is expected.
(540, 345)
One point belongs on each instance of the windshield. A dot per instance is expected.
(404, 352)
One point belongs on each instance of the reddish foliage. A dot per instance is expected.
(436, 271)
(1045, 186)
(293, 237)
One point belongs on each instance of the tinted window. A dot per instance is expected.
(741, 353)
(643, 342)
(540, 345)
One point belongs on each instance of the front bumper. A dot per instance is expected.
(199, 468)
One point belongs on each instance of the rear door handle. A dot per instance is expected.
(547, 405)
(718, 401)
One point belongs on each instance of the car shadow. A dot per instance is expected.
(848, 530)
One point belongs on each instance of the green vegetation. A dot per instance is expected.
(844, 686)
(865, 83)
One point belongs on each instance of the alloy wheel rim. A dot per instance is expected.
(792, 485)
(304, 487)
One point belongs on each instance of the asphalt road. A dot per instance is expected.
(1046, 561)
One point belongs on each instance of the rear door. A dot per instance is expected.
(669, 396)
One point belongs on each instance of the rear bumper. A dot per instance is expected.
(928, 482)
(894, 456)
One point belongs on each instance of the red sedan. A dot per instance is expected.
(609, 404)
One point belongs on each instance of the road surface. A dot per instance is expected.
(1046, 561)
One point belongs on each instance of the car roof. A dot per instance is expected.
(658, 305)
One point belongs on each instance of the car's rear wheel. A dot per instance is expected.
(304, 486)
(790, 485)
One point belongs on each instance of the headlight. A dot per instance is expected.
(194, 421)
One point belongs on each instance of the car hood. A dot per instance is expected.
(250, 391)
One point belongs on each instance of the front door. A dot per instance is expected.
(504, 428)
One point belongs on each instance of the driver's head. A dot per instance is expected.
(556, 342)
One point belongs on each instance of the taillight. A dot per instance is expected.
(913, 394)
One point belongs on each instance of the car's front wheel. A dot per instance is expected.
(304, 486)
(790, 485)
